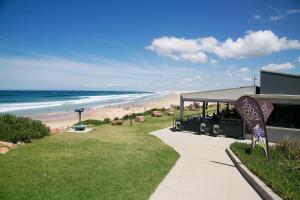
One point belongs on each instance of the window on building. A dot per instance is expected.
(287, 116)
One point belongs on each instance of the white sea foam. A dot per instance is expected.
(97, 101)
(27, 106)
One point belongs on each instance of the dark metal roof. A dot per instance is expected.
(229, 95)
(280, 73)
(278, 87)
(279, 98)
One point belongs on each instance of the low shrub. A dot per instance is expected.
(289, 149)
(14, 129)
(146, 113)
(95, 122)
(133, 115)
(125, 117)
(281, 172)
(106, 121)
(149, 112)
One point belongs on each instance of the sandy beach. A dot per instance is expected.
(65, 119)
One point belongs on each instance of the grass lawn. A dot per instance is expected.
(281, 173)
(111, 162)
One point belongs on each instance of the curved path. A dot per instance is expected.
(204, 170)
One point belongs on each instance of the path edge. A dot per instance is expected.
(259, 186)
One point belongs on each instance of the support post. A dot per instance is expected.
(218, 108)
(203, 109)
(181, 107)
(227, 106)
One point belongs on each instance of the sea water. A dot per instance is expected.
(40, 102)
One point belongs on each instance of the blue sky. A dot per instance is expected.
(145, 45)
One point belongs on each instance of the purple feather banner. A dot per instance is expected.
(255, 114)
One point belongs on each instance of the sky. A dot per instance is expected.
(145, 45)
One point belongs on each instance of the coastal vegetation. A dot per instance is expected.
(110, 162)
(14, 129)
(146, 113)
(95, 122)
(281, 172)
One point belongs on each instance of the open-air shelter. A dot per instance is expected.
(282, 89)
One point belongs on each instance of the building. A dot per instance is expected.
(283, 90)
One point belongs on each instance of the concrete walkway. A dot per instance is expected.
(204, 170)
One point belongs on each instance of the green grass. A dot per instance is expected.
(111, 162)
(281, 173)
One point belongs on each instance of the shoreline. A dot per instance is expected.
(67, 119)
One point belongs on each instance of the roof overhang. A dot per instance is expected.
(223, 96)
(279, 98)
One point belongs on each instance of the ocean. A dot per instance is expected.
(40, 102)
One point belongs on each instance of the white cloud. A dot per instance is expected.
(276, 17)
(256, 16)
(199, 57)
(299, 59)
(65, 73)
(196, 50)
(70, 74)
(213, 61)
(186, 80)
(105, 85)
(192, 79)
(244, 69)
(197, 78)
(228, 73)
(278, 67)
(207, 44)
(255, 44)
(281, 15)
(247, 79)
(178, 49)
(293, 11)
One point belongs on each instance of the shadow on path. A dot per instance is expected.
(222, 163)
